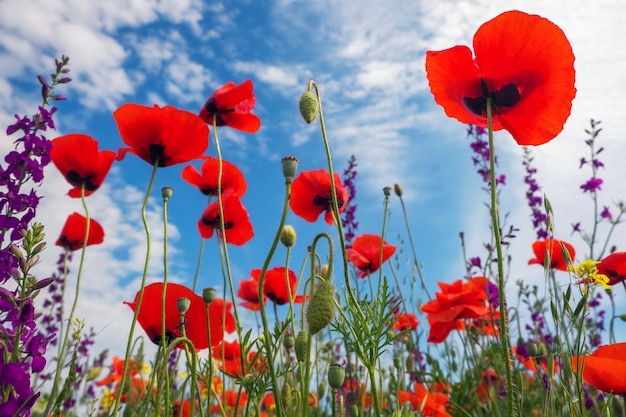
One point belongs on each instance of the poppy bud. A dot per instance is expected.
(309, 106)
(387, 191)
(290, 167)
(533, 349)
(288, 342)
(622, 317)
(321, 308)
(285, 394)
(321, 390)
(208, 295)
(336, 376)
(301, 345)
(288, 236)
(397, 189)
(353, 410)
(409, 363)
(183, 304)
(167, 192)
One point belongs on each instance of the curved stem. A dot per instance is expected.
(144, 278)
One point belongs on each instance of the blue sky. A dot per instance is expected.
(368, 58)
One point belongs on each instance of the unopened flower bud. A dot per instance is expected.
(208, 295)
(290, 167)
(397, 189)
(336, 376)
(321, 308)
(183, 304)
(288, 342)
(166, 193)
(288, 236)
(302, 340)
(309, 106)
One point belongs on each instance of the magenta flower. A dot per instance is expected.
(593, 185)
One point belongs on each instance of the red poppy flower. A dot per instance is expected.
(229, 353)
(365, 253)
(275, 285)
(405, 321)
(604, 369)
(428, 403)
(136, 385)
(249, 292)
(164, 134)
(73, 233)
(232, 178)
(236, 220)
(554, 250)
(196, 327)
(523, 63)
(181, 408)
(459, 300)
(614, 267)
(80, 162)
(311, 195)
(232, 105)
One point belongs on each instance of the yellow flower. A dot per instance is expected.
(587, 271)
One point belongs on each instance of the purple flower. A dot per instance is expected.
(606, 213)
(348, 217)
(593, 185)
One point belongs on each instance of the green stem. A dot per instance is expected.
(164, 340)
(62, 350)
(504, 326)
(144, 278)
(335, 206)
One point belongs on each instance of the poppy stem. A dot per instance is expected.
(144, 278)
(335, 207)
(504, 325)
(224, 245)
(63, 348)
(164, 340)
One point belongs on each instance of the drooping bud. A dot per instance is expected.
(321, 309)
(397, 189)
(309, 106)
(336, 376)
(288, 236)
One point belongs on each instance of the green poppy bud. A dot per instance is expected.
(290, 167)
(309, 106)
(302, 340)
(397, 189)
(321, 309)
(288, 236)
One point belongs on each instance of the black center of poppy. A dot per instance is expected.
(157, 152)
(507, 96)
(169, 336)
(211, 107)
(215, 223)
(326, 202)
(74, 178)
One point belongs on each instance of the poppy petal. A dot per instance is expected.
(534, 54)
(245, 122)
